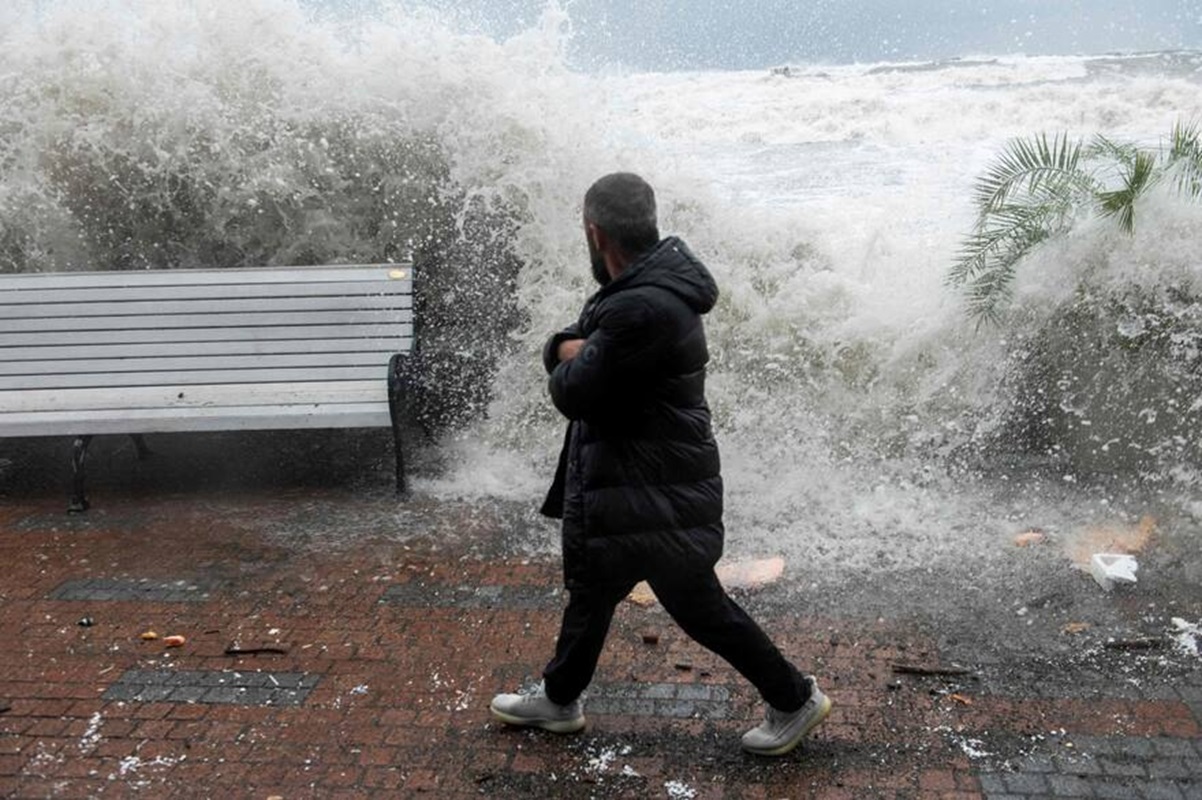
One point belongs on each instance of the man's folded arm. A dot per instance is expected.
(611, 364)
(551, 348)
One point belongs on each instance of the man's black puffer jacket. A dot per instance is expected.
(638, 485)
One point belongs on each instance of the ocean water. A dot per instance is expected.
(865, 420)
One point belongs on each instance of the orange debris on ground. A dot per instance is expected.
(751, 574)
(1111, 538)
(1030, 537)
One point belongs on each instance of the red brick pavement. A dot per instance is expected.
(400, 707)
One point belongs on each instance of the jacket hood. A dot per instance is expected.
(671, 265)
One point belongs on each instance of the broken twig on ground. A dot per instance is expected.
(1145, 643)
(235, 649)
(920, 669)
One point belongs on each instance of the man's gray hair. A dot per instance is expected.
(623, 206)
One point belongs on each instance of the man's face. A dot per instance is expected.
(596, 260)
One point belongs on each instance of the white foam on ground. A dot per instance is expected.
(1186, 636)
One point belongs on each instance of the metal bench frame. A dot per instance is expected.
(157, 351)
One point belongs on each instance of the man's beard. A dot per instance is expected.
(597, 261)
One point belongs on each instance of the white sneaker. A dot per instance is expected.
(780, 731)
(534, 709)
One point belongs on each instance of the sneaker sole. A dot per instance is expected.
(788, 746)
(552, 725)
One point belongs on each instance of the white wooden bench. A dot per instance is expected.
(88, 353)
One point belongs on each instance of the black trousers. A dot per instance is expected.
(700, 606)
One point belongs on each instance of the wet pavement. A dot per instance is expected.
(338, 643)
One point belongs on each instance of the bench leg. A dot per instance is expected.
(144, 452)
(398, 388)
(79, 456)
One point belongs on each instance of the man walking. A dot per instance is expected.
(638, 485)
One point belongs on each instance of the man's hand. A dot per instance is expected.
(569, 348)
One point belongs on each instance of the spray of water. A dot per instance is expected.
(866, 423)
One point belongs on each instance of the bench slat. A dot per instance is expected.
(266, 333)
(264, 318)
(198, 277)
(212, 291)
(191, 398)
(246, 376)
(395, 344)
(167, 307)
(166, 420)
(318, 362)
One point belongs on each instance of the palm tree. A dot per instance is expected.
(1039, 187)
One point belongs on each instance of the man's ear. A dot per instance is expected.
(599, 239)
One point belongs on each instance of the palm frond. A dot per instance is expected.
(1036, 187)
(1138, 175)
(988, 257)
(1037, 168)
(1013, 228)
(990, 287)
(1104, 148)
(990, 292)
(1185, 141)
(1185, 159)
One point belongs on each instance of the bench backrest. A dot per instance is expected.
(192, 337)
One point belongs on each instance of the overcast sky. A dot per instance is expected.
(734, 34)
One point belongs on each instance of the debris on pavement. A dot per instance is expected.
(642, 595)
(86, 622)
(750, 574)
(1075, 627)
(1111, 538)
(1111, 568)
(921, 669)
(973, 748)
(1141, 643)
(651, 638)
(1187, 635)
(148, 636)
(174, 641)
(677, 790)
(235, 649)
(1029, 537)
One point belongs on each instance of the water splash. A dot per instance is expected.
(860, 413)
